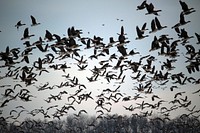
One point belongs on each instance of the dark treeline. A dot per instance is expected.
(107, 124)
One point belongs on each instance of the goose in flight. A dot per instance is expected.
(150, 9)
(159, 26)
(141, 6)
(26, 34)
(155, 44)
(185, 8)
(49, 36)
(184, 35)
(140, 34)
(19, 24)
(181, 21)
(34, 22)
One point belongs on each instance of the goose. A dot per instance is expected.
(132, 52)
(191, 110)
(19, 24)
(155, 44)
(8, 92)
(184, 35)
(150, 9)
(39, 62)
(49, 36)
(140, 34)
(4, 103)
(111, 41)
(142, 5)
(159, 26)
(181, 22)
(155, 96)
(73, 33)
(168, 64)
(185, 8)
(192, 67)
(184, 100)
(165, 38)
(80, 112)
(41, 48)
(190, 49)
(49, 58)
(179, 93)
(81, 61)
(16, 85)
(82, 67)
(26, 34)
(34, 22)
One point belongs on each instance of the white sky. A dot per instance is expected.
(57, 16)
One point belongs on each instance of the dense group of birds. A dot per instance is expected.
(115, 67)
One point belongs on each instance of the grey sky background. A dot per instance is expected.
(94, 17)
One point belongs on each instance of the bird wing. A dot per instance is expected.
(144, 26)
(139, 33)
(157, 23)
(153, 26)
(122, 30)
(122, 50)
(26, 33)
(33, 20)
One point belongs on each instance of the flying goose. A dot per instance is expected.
(185, 8)
(150, 9)
(140, 34)
(159, 26)
(49, 36)
(142, 5)
(181, 21)
(26, 34)
(34, 22)
(19, 24)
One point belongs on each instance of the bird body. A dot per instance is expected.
(19, 24)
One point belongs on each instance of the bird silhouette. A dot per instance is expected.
(185, 9)
(159, 26)
(150, 9)
(19, 24)
(34, 22)
(142, 5)
(26, 34)
(140, 34)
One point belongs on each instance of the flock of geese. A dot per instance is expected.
(23, 72)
